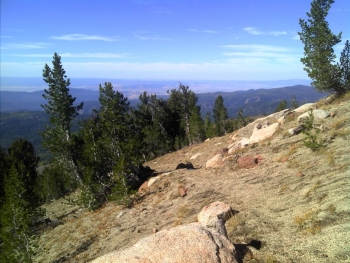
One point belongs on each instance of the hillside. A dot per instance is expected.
(293, 204)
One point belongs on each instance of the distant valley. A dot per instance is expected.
(253, 101)
(23, 117)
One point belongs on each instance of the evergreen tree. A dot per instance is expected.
(281, 106)
(60, 106)
(208, 126)
(17, 240)
(345, 67)
(240, 119)
(318, 48)
(151, 119)
(4, 169)
(294, 103)
(183, 101)
(54, 182)
(220, 116)
(109, 146)
(22, 156)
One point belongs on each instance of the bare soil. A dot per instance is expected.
(293, 206)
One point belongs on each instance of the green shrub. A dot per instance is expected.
(312, 139)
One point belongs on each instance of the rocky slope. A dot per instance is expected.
(292, 204)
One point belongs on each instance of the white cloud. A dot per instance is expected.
(258, 48)
(266, 52)
(80, 37)
(154, 37)
(234, 68)
(23, 46)
(277, 33)
(76, 55)
(204, 31)
(6, 36)
(253, 31)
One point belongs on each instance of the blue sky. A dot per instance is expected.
(150, 39)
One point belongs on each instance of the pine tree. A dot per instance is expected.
(60, 106)
(240, 119)
(22, 156)
(281, 106)
(220, 116)
(183, 101)
(345, 67)
(208, 126)
(4, 169)
(319, 54)
(294, 103)
(17, 240)
(151, 118)
(109, 146)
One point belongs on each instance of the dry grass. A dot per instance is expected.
(284, 188)
(234, 222)
(307, 222)
(286, 156)
(343, 133)
(182, 214)
(331, 208)
(339, 123)
(313, 189)
(330, 159)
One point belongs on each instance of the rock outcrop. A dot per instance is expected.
(263, 133)
(192, 243)
(318, 115)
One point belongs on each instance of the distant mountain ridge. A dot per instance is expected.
(130, 87)
(22, 116)
(253, 102)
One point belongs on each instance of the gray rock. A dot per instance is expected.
(296, 130)
(304, 107)
(211, 213)
(318, 115)
(190, 243)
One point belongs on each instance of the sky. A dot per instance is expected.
(160, 39)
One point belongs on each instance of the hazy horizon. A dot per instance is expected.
(157, 86)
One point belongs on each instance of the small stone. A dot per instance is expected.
(247, 161)
(291, 131)
(154, 230)
(183, 190)
(300, 174)
(120, 214)
(153, 180)
(214, 162)
(284, 159)
(195, 156)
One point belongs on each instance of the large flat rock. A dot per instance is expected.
(190, 243)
